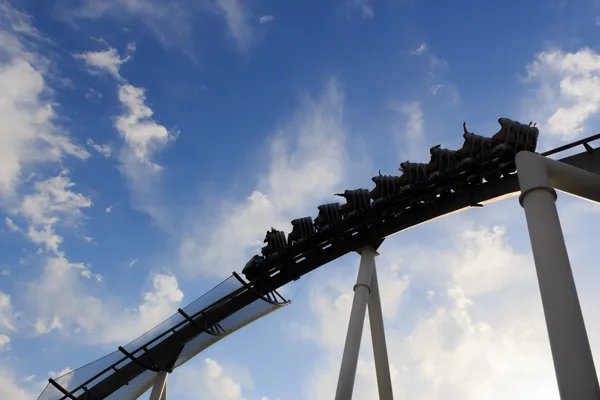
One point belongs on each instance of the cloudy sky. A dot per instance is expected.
(146, 146)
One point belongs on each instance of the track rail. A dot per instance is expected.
(369, 230)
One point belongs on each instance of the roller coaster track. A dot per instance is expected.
(130, 371)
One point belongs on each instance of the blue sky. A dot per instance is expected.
(146, 147)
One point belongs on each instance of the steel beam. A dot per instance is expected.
(362, 289)
(569, 343)
(159, 390)
(382, 363)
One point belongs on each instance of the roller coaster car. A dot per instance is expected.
(356, 201)
(412, 173)
(499, 154)
(276, 242)
(474, 149)
(509, 140)
(442, 163)
(303, 228)
(514, 137)
(386, 186)
(329, 214)
(479, 157)
(252, 270)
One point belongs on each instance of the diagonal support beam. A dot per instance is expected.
(569, 343)
(382, 363)
(159, 390)
(362, 289)
(366, 293)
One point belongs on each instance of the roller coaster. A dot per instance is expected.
(483, 170)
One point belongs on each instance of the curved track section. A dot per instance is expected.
(132, 369)
(234, 303)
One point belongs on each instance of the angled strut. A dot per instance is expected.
(210, 331)
(366, 292)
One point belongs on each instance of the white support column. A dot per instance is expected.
(382, 364)
(159, 390)
(362, 290)
(573, 362)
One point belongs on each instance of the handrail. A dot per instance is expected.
(262, 297)
(584, 142)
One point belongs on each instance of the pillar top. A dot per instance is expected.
(367, 248)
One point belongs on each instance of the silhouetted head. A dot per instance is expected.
(404, 166)
(434, 149)
(469, 137)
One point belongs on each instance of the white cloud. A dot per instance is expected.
(209, 380)
(221, 387)
(4, 342)
(170, 22)
(52, 202)
(103, 149)
(266, 18)
(64, 381)
(333, 312)
(236, 18)
(144, 138)
(414, 120)
(307, 166)
(107, 61)
(11, 225)
(131, 47)
(43, 325)
(437, 80)
(364, 6)
(60, 373)
(566, 92)
(421, 49)
(9, 389)
(434, 61)
(46, 236)
(59, 300)
(410, 134)
(109, 209)
(436, 88)
(93, 95)
(490, 248)
(29, 134)
(7, 320)
(143, 135)
(7, 314)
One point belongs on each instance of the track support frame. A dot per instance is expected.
(538, 178)
(159, 390)
(366, 293)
